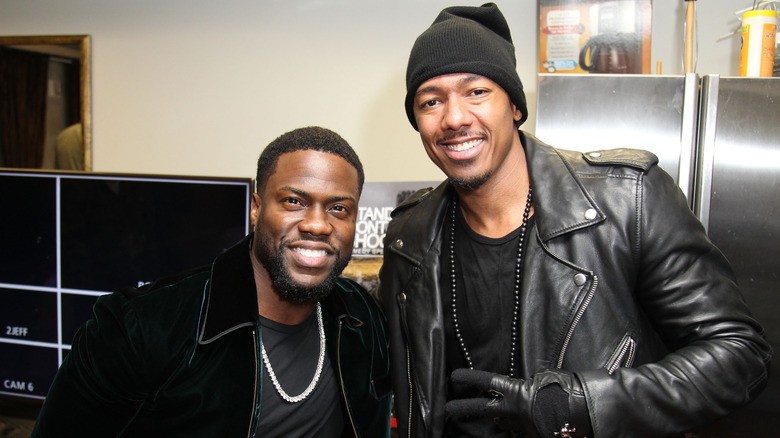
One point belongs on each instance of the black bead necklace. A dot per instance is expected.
(518, 276)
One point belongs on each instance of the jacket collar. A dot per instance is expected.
(231, 300)
(422, 229)
(561, 203)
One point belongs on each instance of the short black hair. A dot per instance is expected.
(303, 139)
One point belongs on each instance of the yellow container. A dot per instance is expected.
(758, 43)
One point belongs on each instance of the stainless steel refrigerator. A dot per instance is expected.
(719, 137)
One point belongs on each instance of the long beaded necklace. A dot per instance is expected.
(518, 276)
(314, 380)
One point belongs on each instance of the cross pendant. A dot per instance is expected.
(566, 432)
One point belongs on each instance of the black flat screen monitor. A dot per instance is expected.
(67, 238)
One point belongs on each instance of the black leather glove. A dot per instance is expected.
(548, 403)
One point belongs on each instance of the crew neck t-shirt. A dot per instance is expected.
(293, 351)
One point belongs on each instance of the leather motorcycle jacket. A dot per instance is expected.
(621, 287)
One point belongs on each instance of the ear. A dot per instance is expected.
(517, 115)
(254, 210)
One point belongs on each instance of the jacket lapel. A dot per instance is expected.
(421, 231)
(561, 202)
(555, 291)
(231, 296)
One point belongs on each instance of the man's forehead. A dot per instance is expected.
(311, 171)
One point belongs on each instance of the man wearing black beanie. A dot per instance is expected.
(543, 292)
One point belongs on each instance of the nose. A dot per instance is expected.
(315, 222)
(456, 114)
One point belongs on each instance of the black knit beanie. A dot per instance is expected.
(465, 39)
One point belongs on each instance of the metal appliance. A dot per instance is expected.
(719, 138)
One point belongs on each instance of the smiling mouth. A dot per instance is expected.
(464, 146)
(310, 253)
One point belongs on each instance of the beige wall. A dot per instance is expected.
(198, 87)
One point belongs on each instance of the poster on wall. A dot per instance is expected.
(376, 203)
(595, 36)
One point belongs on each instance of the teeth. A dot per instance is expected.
(463, 146)
(310, 252)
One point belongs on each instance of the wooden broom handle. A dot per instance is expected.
(691, 4)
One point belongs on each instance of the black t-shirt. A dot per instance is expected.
(294, 351)
(485, 274)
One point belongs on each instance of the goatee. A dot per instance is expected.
(471, 183)
(287, 288)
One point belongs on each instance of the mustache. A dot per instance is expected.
(460, 134)
(310, 238)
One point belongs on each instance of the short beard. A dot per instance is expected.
(287, 289)
(471, 183)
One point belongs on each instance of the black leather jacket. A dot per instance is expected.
(621, 286)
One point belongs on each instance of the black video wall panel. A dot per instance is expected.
(66, 239)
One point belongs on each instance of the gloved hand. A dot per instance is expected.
(541, 406)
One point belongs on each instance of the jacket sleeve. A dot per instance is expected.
(100, 386)
(718, 357)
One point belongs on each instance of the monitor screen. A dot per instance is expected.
(69, 238)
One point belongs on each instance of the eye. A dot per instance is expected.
(291, 202)
(340, 210)
(479, 92)
(428, 103)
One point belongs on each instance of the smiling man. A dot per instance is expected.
(543, 292)
(268, 341)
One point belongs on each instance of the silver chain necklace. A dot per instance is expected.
(518, 277)
(314, 380)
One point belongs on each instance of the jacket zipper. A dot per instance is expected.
(252, 419)
(576, 321)
(625, 354)
(411, 396)
(402, 306)
(341, 380)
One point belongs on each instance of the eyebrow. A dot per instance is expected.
(306, 194)
(465, 80)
